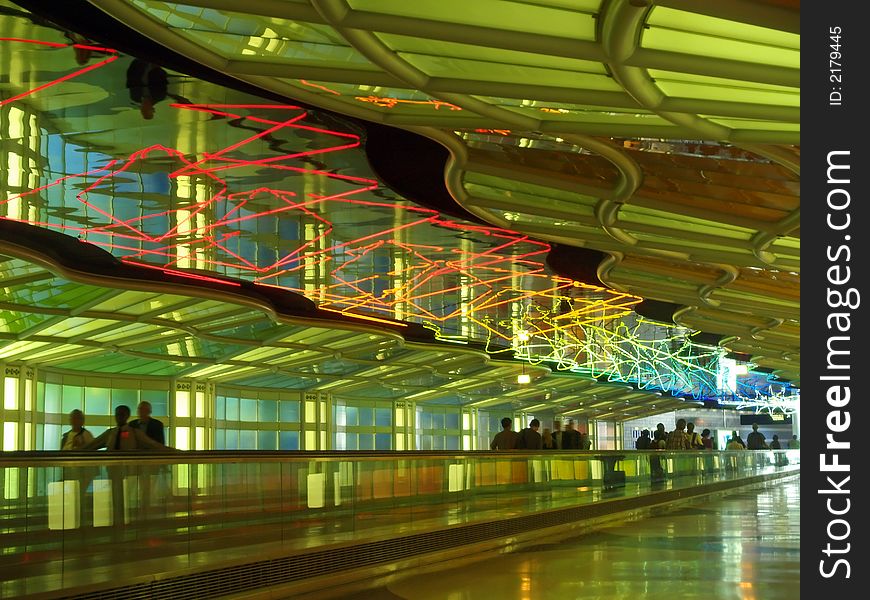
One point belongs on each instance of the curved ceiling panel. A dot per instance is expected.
(601, 198)
(667, 70)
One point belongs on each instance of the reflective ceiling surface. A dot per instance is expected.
(220, 182)
(634, 83)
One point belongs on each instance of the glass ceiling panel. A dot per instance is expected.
(646, 216)
(477, 70)
(517, 16)
(53, 294)
(756, 125)
(281, 50)
(702, 35)
(418, 46)
(566, 113)
(689, 245)
(222, 182)
(16, 322)
(697, 87)
(75, 326)
(196, 18)
(512, 186)
(201, 309)
(125, 332)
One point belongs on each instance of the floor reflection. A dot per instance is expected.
(742, 546)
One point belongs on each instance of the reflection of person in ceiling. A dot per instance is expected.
(82, 47)
(149, 84)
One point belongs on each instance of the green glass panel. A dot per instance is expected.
(689, 245)
(701, 45)
(76, 326)
(289, 411)
(267, 440)
(551, 112)
(273, 48)
(723, 90)
(649, 217)
(52, 436)
(40, 397)
(97, 401)
(220, 410)
(268, 411)
(289, 440)
(754, 125)
(130, 302)
(247, 440)
(232, 439)
(788, 242)
(463, 68)
(542, 20)
(352, 416)
(451, 420)
(383, 417)
(366, 416)
(437, 48)
(128, 398)
(366, 441)
(438, 420)
(121, 332)
(198, 310)
(16, 322)
(159, 400)
(383, 441)
(721, 29)
(73, 396)
(53, 398)
(232, 408)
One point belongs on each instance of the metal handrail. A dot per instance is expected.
(70, 458)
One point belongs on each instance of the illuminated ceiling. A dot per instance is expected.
(583, 110)
(282, 196)
(133, 324)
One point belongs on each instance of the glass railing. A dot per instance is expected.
(71, 520)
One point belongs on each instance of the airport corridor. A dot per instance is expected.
(741, 546)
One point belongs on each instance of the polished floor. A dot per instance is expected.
(742, 546)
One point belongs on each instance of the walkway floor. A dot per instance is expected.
(743, 546)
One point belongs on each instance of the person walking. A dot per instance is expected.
(530, 439)
(557, 435)
(147, 425)
(77, 437)
(706, 439)
(643, 442)
(735, 443)
(505, 439)
(123, 437)
(755, 440)
(677, 439)
(571, 438)
(695, 442)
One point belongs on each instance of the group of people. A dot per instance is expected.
(530, 439)
(757, 441)
(142, 433)
(684, 437)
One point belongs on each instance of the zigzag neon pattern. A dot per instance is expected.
(286, 237)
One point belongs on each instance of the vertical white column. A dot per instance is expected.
(317, 427)
(469, 428)
(404, 425)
